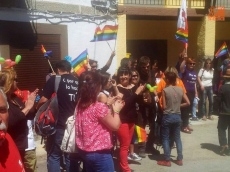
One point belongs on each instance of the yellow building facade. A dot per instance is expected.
(150, 30)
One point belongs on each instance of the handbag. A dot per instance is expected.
(68, 144)
(198, 85)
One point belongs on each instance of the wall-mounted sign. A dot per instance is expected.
(216, 13)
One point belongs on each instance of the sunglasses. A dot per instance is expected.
(134, 76)
(192, 64)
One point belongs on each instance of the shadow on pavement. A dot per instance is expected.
(211, 147)
(156, 157)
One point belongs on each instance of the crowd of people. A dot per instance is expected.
(107, 109)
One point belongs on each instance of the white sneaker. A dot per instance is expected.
(134, 157)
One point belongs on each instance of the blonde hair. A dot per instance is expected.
(172, 69)
(7, 77)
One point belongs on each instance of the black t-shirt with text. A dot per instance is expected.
(66, 94)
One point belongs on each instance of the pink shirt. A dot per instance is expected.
(91, 133)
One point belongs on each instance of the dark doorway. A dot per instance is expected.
(33, 67)
(155, 49)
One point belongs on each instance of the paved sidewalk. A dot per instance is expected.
(200, 150)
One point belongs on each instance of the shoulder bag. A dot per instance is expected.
(68, 144)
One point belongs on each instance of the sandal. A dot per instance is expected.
(211, 117)
(204, 118)
(186, 130)
(223, 150)
(189, 128)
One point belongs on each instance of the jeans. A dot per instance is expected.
(171, 125)
(148, 114)
(54, 153)
(207, 92)
(194, 106)
(223, 125)
(98, 161)
(124, 134)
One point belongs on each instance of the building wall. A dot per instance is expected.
(222, 30)
(65, 19)
(121, 39)
(56, 29)
(157, 29)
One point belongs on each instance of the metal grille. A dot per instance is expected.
(177, 3)
(222, 3)
(174, 3)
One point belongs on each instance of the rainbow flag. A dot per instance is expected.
(107, 33)
(182, 24)
(222, 50)
(80, 63)
(43, 49)
(47, 54)
(141, 135)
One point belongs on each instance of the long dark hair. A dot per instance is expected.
(121, 70)
(89, 88)
(104, 78)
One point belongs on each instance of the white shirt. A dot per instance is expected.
(30, 136)
(206, 77)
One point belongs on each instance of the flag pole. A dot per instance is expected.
(50, 65)
(95, 45)
(115, 44)
(186, 47)
(115, 39)
(109, 46)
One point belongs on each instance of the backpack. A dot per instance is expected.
(47, 115)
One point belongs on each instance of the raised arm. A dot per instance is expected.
(182, 66)
(183, 63)
(109, 62)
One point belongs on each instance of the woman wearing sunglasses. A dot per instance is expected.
(189, 78)
(128, 114)
(205, 77)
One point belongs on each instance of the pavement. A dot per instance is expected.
(200, 150)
